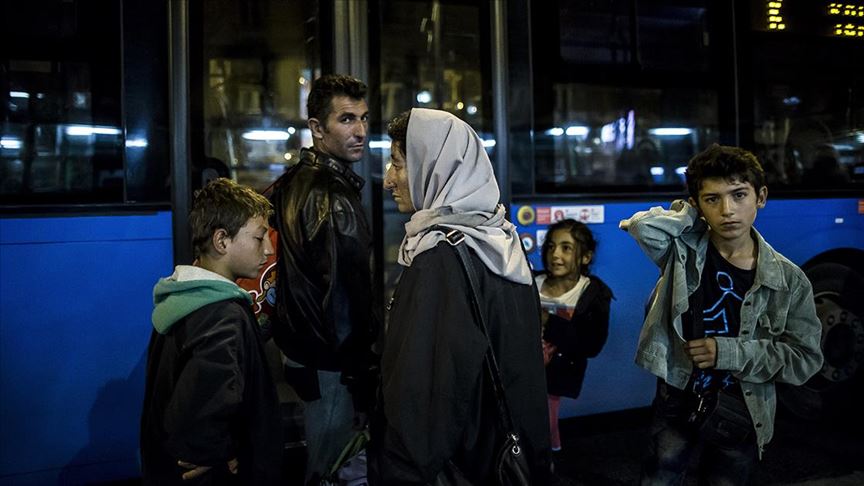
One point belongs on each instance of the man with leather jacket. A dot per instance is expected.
(324, 302)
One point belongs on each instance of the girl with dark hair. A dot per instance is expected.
(575, 313)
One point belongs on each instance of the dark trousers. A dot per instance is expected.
(725, 441)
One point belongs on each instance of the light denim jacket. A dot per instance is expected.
(780, 332)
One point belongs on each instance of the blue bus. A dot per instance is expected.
(625, 93)
(112, 112)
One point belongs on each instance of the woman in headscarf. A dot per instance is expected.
(438, 408)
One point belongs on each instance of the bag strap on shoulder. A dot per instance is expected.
(455, 238)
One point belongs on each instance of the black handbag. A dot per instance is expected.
(728, 425)
(511, 463)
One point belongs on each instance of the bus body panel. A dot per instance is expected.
(74, 325)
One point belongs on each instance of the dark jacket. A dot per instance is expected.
(325, 299)
(577, 339)
(209, 398)
(436, 400)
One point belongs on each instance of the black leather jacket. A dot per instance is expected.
(324, 301)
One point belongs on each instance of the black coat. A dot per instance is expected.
(436, 400)
(579, 338)
(324, 302)
(209, 397)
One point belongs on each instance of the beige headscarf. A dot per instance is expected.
(452, 185)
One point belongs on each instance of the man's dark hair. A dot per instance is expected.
(397, 129)
(580, 233)
(728, 163)
(223, 204)
(319, 105)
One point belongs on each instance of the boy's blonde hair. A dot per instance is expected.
(223, 204)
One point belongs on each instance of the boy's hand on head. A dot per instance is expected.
(703, 352)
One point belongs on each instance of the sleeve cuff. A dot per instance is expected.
(727, 354)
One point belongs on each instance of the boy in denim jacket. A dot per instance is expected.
(729, 317)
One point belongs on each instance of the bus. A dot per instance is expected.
(112, 112)
(626, 92)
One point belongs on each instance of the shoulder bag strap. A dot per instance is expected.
(455, 238)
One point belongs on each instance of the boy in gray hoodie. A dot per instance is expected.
(211, 414)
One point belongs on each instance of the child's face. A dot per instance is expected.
(729, 206)
(564, 258)
(247, 252)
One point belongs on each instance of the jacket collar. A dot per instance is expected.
(769, 272)
(317, 159)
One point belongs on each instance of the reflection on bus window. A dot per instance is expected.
(808, 111)
(258, 66)
(433, 54)
(60, 138)
(606, 136)
(431, 58)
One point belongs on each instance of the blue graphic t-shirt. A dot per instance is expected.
(722, 290)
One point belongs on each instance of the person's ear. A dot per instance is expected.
(220, 241)
(587, 257)
(762, 197)
(316, 128)
(693, 203)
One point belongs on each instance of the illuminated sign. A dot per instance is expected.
(823, 18)
(775, 15)
(847, 12)
(849, 30)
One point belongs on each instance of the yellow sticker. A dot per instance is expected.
(525, 215)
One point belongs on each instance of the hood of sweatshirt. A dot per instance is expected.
(187, 290)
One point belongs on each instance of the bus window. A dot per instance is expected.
(257, 62)
(604, 136)
(83, 90)
(61, 103)
(661, 35)
(808, 113)
(625, 93)
(431, 58)
(432, 55)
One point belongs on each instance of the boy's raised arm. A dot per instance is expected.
(655, 228)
